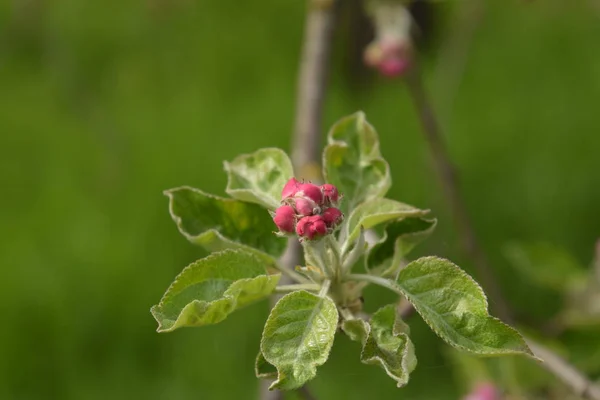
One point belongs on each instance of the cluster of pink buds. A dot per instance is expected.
(308, 209)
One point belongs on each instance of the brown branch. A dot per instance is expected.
(314, 62)
(567, 373)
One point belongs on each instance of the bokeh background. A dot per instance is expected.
(104, 104)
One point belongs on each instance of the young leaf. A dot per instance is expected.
(263, 369)
(259, 177)
(385, 343)
(216, 223)
(298, 337)
(352, 161)
(378, 211)
(455, 307)
(210, 289)
(398, 238)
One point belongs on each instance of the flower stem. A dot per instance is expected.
(377, 280)
(325, 288)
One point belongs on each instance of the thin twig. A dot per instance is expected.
(567, 373)
(448, 179)
(314, 62)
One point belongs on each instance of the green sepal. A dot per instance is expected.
(217, 223)
(298, 336)
(385, 343)
(210, 289)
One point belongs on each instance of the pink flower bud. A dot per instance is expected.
(290, 189)
(332, 217)
(306, 207)
(394, 66)
(483, 391)
(311, 191)
(311, 227)
(285, 218)
(330, 193)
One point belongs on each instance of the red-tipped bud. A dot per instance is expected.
(332, 217)
(311, 227)
(285, 218)
(483, 391)
(291, 188)
(310, 191)
(394, 66)
(306, 207)
(330, 193)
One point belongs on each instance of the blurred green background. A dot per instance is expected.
(104, 104)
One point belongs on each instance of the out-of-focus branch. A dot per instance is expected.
(567, 373)
(449, 182)
(314, 63)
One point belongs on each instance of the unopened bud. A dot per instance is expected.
(483, 391)
(332, 217)
(285, 218)
(310, 191)
(306, 207)
(291, 188)
(394, 66)
(330, 193)
(311, 227)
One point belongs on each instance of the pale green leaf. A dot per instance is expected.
(455, 307)
(259, 177)
(398, 238)
(210, 289)
(385, 343)
(352, 161)
(216, 223)
(376, 212)
(298, 336)
(263, 369)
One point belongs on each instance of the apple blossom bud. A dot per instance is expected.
(332, 217)
(291, 188)
(313, 192)
(394, 66)
(330, 193)
(306, 207)
(285, 218)
(483, 391)
(311, 227)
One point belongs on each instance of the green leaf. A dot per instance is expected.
(398, 238)
(455, 307)
(375, 212)
(259, 177)
(210, 289)
(298, 337)
(263, 369)
(216, 223)
(547, 265)
(385, 343)
(352, 161)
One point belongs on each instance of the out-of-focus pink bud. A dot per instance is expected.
(483, 391)
(311, 227)
(306, 207)
(330, 193)
(311, 191)
(285, 218)
(332, 217)
(291, 188)
(394, 66)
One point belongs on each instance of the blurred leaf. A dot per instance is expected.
(352, 161)
(546, 265)
(216, 223)
(263, 369)
(259, 177)
(210, 289)
(298, 337)
(385, 343)
(398, 239)
(455, 307)
(375, 212)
